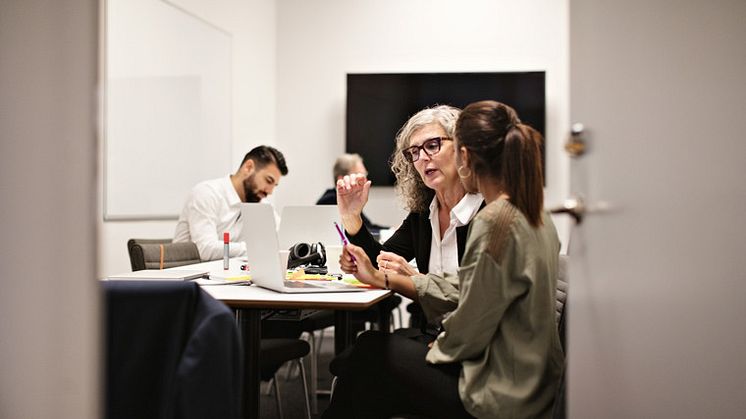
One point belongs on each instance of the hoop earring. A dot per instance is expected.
(462, 176)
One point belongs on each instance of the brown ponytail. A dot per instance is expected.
(503, 148)
(522, 174)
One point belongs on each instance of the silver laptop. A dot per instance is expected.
(309, 224)
(263, 254)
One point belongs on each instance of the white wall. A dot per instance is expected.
(252, 25)
(290, 62)
(50, 343)
(319, 42)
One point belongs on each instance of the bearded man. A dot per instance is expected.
(213, 207)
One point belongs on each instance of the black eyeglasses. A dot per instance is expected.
(431, 147)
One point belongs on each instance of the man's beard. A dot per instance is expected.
(249, 190)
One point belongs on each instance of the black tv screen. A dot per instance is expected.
(379, 104)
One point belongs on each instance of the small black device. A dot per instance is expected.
(310, 255)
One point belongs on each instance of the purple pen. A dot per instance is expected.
(343, 238)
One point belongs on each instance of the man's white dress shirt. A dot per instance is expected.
(211, 209)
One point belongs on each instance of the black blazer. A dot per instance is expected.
(164, 341)
(411, 240)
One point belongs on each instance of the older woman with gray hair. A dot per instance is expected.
(434, 232)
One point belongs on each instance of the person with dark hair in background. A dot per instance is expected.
(213, 207)
(499, 353)
(348, 164)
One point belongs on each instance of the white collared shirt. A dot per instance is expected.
(444, 251)
(212, 208)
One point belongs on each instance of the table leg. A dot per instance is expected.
(343, 335)
(384, 320)
(250, 324)
(314, 384)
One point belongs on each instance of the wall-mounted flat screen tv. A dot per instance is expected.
(379, 104)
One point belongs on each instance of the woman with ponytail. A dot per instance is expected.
(498, 354)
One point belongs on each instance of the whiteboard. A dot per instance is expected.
(167, 108)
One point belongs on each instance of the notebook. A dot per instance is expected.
(263, 254)
(165, 274)
(309, 224)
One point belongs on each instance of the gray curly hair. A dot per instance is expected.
(409, 184)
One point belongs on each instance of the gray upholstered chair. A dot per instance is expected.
(560, 408)
(160, 253)
(561, 296)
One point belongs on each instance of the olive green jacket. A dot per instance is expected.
(499, 315)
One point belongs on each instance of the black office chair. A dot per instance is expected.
(162, 253)
(171, 351)
(275, 352)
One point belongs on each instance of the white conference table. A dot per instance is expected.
(248, 303)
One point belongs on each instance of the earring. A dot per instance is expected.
(462, 176)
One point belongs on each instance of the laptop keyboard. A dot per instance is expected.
(298, 284)
(324, 285)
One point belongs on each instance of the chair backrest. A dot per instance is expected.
(561, 297)
(559, 410)
(160, 253)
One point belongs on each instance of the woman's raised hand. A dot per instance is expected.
(352, 195)
(393, 263)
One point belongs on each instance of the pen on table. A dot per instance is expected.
(226, 250)
(344, 239)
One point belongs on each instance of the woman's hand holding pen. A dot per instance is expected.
(360, 266)
(352, 195)
(393, 263)
(354, 261)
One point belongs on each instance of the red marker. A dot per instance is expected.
(226, 250)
